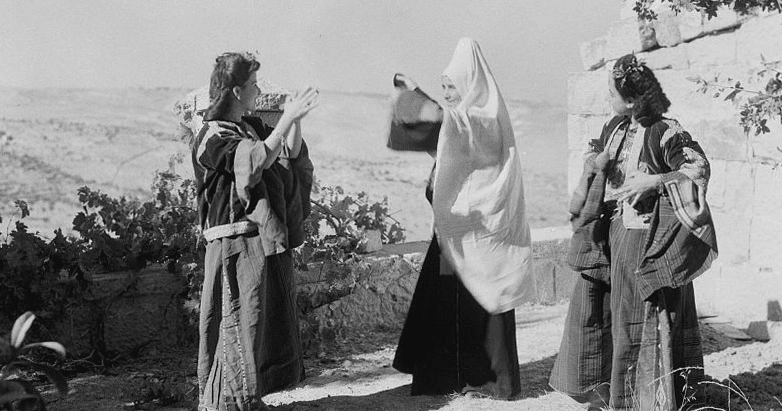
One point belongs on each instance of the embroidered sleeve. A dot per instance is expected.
(684, 156)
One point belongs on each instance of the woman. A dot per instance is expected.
(253, 185)
(643, 232)
(459, 335)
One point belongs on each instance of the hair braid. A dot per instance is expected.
(636, 81)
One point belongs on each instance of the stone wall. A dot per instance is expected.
(130, 312)
(745, 191)
(376, 293)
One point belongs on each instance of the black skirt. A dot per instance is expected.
(451, 344)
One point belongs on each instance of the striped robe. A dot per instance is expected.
(632, 321)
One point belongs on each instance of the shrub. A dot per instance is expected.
(20, 395)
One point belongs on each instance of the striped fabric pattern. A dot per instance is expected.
(632, 323)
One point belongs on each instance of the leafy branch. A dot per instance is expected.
(757, 107)
(644, 8)
(339, 222)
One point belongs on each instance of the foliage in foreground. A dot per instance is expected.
(15, 393)
(48, 276)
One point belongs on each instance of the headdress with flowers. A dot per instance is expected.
(622, 72)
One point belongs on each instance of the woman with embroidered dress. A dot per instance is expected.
(642, 233)
(459, 335)
(253, 186)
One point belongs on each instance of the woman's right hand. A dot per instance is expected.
(300, 103)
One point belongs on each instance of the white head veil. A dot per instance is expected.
(478, 204)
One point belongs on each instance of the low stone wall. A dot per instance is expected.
(125, 312)
(128, 312)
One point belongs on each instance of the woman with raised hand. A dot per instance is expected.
(642, 233)
(459, 335)
(253, 186)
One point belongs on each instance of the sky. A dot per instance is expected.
(347, 45)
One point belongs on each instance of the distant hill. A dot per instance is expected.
(56, 140)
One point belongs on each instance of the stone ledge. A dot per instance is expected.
(382, 286)
(361, 296)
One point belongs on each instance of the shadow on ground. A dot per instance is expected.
(398, 398)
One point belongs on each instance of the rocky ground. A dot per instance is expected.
(355, 374)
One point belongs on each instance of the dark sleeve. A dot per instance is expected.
(609, 128)
(303, 170)
(262, 129)
(217, 150)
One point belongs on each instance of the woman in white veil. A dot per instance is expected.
(460, 331)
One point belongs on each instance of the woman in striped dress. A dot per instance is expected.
(642, 233)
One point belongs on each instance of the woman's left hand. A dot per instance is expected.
(638, 185)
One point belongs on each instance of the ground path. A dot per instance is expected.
(365, 381)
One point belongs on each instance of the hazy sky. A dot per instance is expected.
(351, 45)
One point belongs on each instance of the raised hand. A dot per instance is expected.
(300, 103)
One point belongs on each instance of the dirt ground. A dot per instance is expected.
(355, 375)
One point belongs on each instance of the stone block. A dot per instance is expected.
(551, 280)
(774, 311)
(729, 330)
(774, 330)
(726, 19)
(74, 330)
(575, 167)
(758, 330)
(738, 294)
(666, 28)
(690, 25)
(379, 298)
(127, 311)
(732, 237)
(767, 219)
(732, 188)
(583, 128)
(593, 53)
(739, 188)
(666, 58)
(588, 93)
(713, 50)
(624, 37)
(723, 140)
(140, 321)
(716, 194)
(760, 35)
(687, 104)
(767, 147)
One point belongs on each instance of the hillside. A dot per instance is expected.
(56, 140)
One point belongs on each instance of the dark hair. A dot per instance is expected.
(231, 70)
(633, 80)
